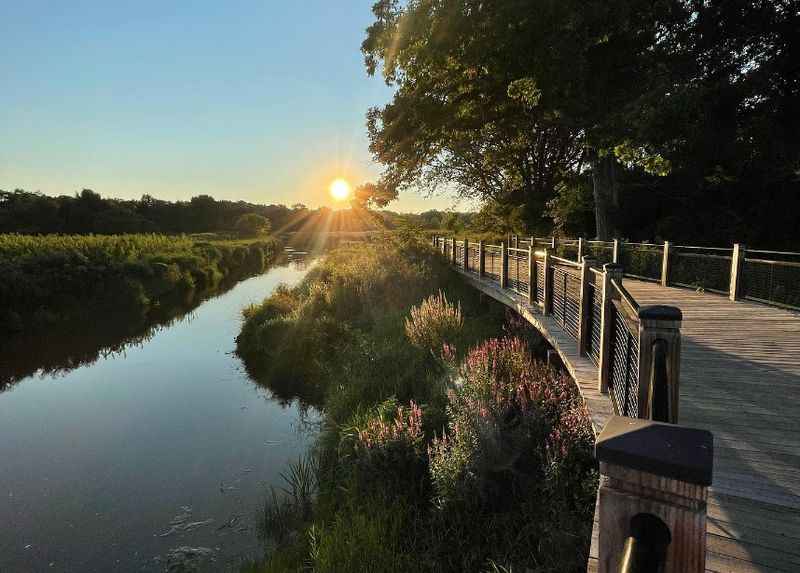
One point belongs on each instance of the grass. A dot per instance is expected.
(47, 279)
(445, 445)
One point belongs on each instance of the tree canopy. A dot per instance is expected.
(676, 111)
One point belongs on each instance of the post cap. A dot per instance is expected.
(660, 312)
(666, 450)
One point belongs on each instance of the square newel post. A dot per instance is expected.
(610, 271)
(737, 263)
(453, 250)
(503, 265)
(481, 259)
(466, 254)
(547, 296)
(659, 363)
(615, 252)
(531, 275)
(585, 308)
(553, 243)
(651, 503)
(665, 265)
(581, 246)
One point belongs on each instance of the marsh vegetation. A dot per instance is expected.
(50, 279)
(445, 444)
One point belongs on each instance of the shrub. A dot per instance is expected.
(511, 421)
(252, 225)
(434, 324)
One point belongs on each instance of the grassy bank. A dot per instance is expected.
(445, 445)
(49, 279)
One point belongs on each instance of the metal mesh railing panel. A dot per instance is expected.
(566, 299)
(540, 280)
(602, 253)
(459, 255)
(473, 258)
(624, 374)
(595, 293)
(518, 272)
(567, 250)
(642, 261)
(771, 281)
(700, 271)
(493, 262)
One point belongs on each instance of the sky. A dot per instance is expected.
(262, 101)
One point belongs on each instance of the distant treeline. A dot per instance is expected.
(87, 212)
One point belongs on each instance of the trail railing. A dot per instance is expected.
(763, 276)
(655, 475)
(636, 350)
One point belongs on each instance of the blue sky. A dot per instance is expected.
(256, 100)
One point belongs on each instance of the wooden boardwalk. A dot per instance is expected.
(740, 379)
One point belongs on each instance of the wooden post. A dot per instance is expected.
(665, 265)
(553, 243)
(514, 240)
(585, 308)
(737, 262)
(610, 271)
(615, 252)
(659, 363)
(531, 275)
(503, 265)
(481, 259)
(580, 249)
(466, 254)
(547, 296)
(453, 250)
(654, 481)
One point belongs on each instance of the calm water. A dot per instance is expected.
(113, 465)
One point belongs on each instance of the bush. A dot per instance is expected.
(252, 225)
(434, 324)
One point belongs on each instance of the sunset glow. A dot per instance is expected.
(340, 189)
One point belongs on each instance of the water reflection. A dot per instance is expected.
(64, 347)
(161, 450)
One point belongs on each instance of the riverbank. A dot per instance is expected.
(48, 280)
(445, 445)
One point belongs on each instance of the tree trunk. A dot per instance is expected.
(606, 196)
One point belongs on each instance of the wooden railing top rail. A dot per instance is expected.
(781, 253)
(774, 262)
(626, 297)
(698, 248)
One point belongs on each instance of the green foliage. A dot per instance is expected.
(381, 504)
(678, 113)
(434, 323)
(51, 278)
(252, 225)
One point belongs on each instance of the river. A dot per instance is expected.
(161, 445)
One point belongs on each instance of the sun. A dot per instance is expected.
(340, 189)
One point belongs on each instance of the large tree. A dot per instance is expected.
(465, 114)
(673, 104)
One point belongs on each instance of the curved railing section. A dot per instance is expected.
(647, 468)
(636, 350)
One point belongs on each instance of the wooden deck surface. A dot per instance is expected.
(740, 379)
